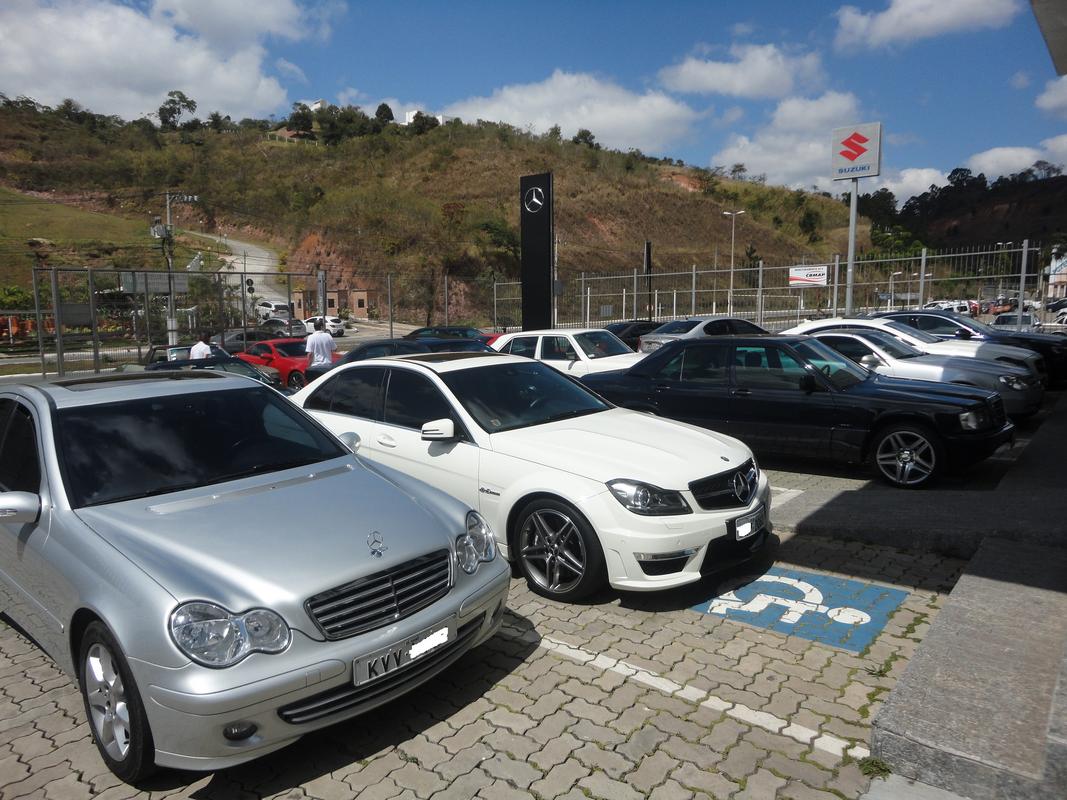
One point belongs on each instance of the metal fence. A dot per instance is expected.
(761, 292)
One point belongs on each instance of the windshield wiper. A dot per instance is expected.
(259, 468)
(575, 412)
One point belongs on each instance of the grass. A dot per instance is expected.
(874, 767)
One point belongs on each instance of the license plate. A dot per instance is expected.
(390, 659)
(750, 523)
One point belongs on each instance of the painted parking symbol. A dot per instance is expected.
(836, 611)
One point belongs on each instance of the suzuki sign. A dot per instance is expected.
(812, 275)
(857, 151)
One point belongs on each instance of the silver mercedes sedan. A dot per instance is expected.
(219, 573)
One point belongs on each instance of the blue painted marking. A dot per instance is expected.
(836, 611)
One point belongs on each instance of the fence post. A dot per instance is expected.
(389, 295)
(446, 298)
(94, 330)
(624, 302)
(654, 311)
(582, 298)
(136, 332)
(58, 322)
(588, 300)
(693, 296)
(289, 297)
(837, 267)
(674, 308)
(635, 294)
(495, 326)
(1022, 280)
(40, 326)
(759, 294)
(922, 279)
(147, 302)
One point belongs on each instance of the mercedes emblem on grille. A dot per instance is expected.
(376, 543)
(742, 486)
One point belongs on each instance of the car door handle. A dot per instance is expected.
(741, 392)
(386, 441)
(661, 387)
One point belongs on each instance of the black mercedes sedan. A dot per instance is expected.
(795, 396)
(373, 348)
(948, 325)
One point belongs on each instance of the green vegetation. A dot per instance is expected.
(874, 767)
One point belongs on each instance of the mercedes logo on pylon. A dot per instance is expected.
(534, 200)
(854, 146)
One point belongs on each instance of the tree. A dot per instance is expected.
(173, 107)
(809, 224)
(1043, 169)
(554, 135)
(422, 123)
(301, 119)
(586, 137)
(384, 114)
(738, 172)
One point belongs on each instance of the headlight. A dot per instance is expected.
(648, 500)
(212, 636)
(973, 420)
(476, 545)
(1013, 382)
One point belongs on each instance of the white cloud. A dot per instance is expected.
(757, 71)
(290, 70)
(1054, 98)
(906, 183)
(618, 117)
(1003, 160)
(901, 139)
(1020, 80)
(906, 21)
(794, 149)
(116, 59)
(1056, 149)
(730, 116)
(740, 29)
(351, 96)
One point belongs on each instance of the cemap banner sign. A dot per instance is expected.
(813, 275)
(857, 151)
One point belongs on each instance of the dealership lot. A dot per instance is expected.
(623, 697)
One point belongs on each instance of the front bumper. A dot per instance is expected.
(964, 449)
(697, 543)
(188, 708)
(1026, 401)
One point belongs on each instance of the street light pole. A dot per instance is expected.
(892, 299)
(733, 215)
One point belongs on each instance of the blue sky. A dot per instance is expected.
(956, 82)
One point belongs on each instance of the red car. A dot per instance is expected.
(288, 356)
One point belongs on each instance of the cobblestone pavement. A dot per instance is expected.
(626, 697)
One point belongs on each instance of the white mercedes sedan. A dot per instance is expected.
(574, 352)
(579, 492)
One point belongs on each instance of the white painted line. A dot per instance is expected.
(759, 719)
(783, 496)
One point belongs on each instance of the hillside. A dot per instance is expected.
(415, 205)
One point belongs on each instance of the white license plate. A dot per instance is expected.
(750, 523)
(390, 659)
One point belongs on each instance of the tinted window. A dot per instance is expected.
(557, 348)
(375, 351)
(914, 333)
(717, 327)
(672, 370)
(20, 468)
(355, 392)
(745, 327)
(601, 344)
(522, 346)
(292, 349)
(937, 325)
(404, 348)
(763, 367)
(259, 350)
(678, 326)
(706, 365)
(852, 348)
(411, 400)
(140, 448)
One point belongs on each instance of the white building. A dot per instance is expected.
(409, 117)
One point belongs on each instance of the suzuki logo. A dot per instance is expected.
(854, 146)
(376, 543)
(534, 200)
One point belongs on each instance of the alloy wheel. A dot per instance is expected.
(907, 458)
(106, 695)
(552, 548)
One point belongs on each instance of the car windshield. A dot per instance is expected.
(293, 349)
(617, 327)
(141, 448)
(841, 371)
(503, 397)
(239, 367)
(678, 326)
(973, 324)
(890, 344)
(601, 344)
(1012, 319)
(913, 333)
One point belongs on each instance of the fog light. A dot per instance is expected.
(239, 731)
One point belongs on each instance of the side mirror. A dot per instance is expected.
(870, 361)
(963, 333)
(439, 430)
(351, 440)
(19, 508)
(808, 384)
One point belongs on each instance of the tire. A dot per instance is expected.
(558, 551)
(908, 456)
(296, 380)
(113, 706)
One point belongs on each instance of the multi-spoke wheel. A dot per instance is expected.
(297, 380)
(558, 552)
(114, 707)
(908, 456)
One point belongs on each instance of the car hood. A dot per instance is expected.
(975, 349)
(613, 363)
(619, 443)
(973, 365)
(278, 539)
(907, 392)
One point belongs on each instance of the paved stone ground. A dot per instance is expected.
(626, 697)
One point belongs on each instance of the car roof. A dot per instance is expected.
(554, 332)
(125, 386)
(441, 362)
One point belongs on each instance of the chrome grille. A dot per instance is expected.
(717, 491)
(381, 598)
(996, 406)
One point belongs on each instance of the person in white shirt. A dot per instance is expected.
(201, 349)
(320, 346)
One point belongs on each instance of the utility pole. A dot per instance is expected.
(733, 215)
